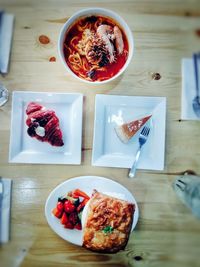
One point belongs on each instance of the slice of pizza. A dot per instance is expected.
(43, 124)
(127, 130)
(107, 224)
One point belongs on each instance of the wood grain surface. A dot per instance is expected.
(165, 31)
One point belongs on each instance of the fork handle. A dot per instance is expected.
(195, 58)
(133, 169)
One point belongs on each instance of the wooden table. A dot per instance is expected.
(167, 234)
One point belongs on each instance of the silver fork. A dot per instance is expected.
(142, 140)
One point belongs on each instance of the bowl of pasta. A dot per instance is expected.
(95, 45)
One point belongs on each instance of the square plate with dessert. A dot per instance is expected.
(118, 123)
(46, 128)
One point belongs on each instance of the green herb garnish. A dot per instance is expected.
(108, 229)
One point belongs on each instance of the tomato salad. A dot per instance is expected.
(69, 209)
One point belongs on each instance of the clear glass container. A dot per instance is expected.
(3, 94)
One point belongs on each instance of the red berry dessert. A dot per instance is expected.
(43, 124)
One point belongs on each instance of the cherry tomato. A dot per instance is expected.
(57, 213)
(78, 226)
(60, 206)
(69, 225)
(73, 218)
(64, 218)
(69, 207)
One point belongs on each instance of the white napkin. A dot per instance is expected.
(6, 34)
(188, 90)
(5, 208)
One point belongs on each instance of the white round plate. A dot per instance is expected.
(86, 184)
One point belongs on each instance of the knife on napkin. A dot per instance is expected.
(5, 202)
(6, 33)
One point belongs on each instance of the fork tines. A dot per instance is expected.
(145, 131)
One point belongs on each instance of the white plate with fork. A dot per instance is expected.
(112, 110)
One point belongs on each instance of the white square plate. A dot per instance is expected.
(68, 108)
(112, 110)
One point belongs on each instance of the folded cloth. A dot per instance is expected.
(188, 90)
(6, 33)
(5, 210)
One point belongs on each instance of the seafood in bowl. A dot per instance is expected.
(95, 47)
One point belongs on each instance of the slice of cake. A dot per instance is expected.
(107, 223)
(43, 124)
(127, 130)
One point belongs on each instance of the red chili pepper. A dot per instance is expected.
(82, 205)
(80, 193)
